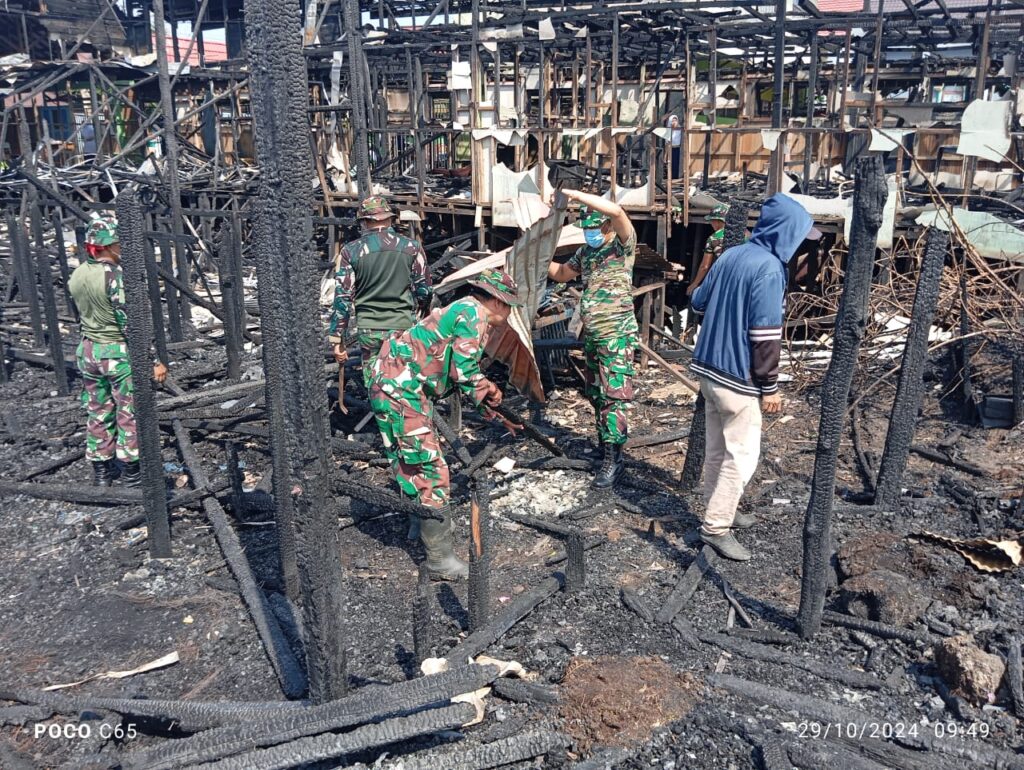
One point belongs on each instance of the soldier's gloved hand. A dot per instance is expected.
(159, 372)
(340, 354)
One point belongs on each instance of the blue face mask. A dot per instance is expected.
(594, 238)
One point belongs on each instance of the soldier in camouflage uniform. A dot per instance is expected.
(414, 369)
(714, 246)
(610, 330)
(385, 276)
(98, 290)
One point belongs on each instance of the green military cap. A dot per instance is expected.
(498, 284)
(590, 218)
(375, 207)
(102, 232)
(718, 212)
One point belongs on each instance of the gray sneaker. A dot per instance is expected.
(744, 520)
(727, 546)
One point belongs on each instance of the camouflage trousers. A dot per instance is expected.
(370, 343)
(108, 400)
(609, 383)
(413, 449)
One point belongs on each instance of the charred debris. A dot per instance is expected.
(234, 139)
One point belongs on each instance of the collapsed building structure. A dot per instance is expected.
(234, 157)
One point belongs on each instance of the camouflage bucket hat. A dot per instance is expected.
(102, 232)
(375, 207)
(590, 218)
(498, 284)
(718, 212)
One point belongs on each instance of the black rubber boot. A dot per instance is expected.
(132, 475)
(442, 563)
(101, 475)
(414, 528)
(611, 467)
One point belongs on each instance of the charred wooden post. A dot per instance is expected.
(479, 555)
(25, 273)
(44, 274)
(910, 390)
(234, 476)
(422, 623)
(170, 140)
(282, 659)
(166, 267)
(231, 300)
(869, 197)
(133, 265)
(357, 92)
(287, 268)
(695, 445)
(155, 306)
(812, 87)
(575, 567)
(1018, 389)
(62, 262)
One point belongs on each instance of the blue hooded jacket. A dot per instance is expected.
(742, 297)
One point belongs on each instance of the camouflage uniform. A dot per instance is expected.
(414, 368)
(98, 290)
(716, 242)
(386, 277)
(610, 332)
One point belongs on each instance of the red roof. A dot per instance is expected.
(213, 51)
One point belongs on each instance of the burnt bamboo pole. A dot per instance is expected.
(356, 93)
(155, 306)
(812, 86)
(49, 300)
(25, 273)
(139, 336)
(870, 193)
(287, 269)
(62, 261)
(910, 389)
(479, 553)
(231, 300)
(170, 139)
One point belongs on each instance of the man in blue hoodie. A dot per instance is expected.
(737, 360)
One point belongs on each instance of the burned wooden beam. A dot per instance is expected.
(287, 270)
(511, 613)
(1014, 674)
(422, 620)
(826, 712)
(910, 389)
(232, 299)
(687, 585)
(270, 728)
(693, 465)
(329, 745)
(755, 651)
(140, 337)
(24, 275)
(479, 553)
(188, 716)
(881, 630)
(289, 672)
(49, 301)
(870, 193)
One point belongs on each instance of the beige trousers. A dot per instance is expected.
(730, 458)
